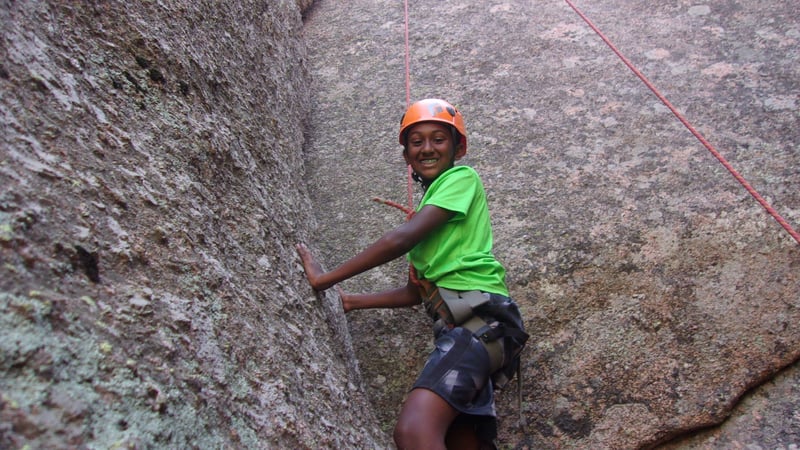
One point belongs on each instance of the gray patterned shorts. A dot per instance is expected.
(458, 371)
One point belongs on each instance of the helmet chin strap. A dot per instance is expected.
(417, 178)
(422, 181)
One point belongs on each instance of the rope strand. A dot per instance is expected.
(689, 126)
(412, 273)
(409, 177)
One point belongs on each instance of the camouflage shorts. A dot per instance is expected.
(458, 371)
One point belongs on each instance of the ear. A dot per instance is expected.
(461, 149)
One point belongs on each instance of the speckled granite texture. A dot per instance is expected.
(657, 291)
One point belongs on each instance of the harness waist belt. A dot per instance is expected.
(461, 304)
(456, 308)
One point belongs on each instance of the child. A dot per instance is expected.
(478, 328)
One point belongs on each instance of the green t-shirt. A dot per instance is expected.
(458, 255)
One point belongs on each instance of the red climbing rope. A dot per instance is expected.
(408, 71)
(409, 210)
(410, 181)
(689, 126)
(412, 272)
(403, 208)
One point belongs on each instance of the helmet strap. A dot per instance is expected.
(418, 179)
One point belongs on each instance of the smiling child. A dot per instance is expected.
(477, 328)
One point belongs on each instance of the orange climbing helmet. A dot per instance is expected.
(432, 110)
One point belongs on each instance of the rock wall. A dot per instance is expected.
(657, 292)
(153, 184)
(153, 187)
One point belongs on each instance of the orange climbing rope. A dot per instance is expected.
(689, 126)
(412, 272)
(409, 210)
(410, 179)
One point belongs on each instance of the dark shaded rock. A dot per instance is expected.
(152, 190)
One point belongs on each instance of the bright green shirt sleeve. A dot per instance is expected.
(458, 255)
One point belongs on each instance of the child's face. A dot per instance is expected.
(431, 150)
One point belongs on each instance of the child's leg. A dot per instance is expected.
(424, 421)
(462, 436)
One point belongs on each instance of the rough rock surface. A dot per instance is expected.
(657, 291)
(153, 184)
(152, 190)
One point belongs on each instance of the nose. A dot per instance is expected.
(427, 145)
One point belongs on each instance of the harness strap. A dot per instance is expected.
(489, 335)
(455, 309)
(519, 394)
(489, 338)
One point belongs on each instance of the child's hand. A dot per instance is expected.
(311, 266)
(345, 299)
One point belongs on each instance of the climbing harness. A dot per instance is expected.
(502, 335)
(689, 126)
(452, 308)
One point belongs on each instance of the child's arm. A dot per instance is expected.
(391, 245)
(407, 295)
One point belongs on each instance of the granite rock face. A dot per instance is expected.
(161, 159)
(657, 291)
(152, 191)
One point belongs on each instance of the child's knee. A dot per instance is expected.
(410, 435)
(404, 434)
